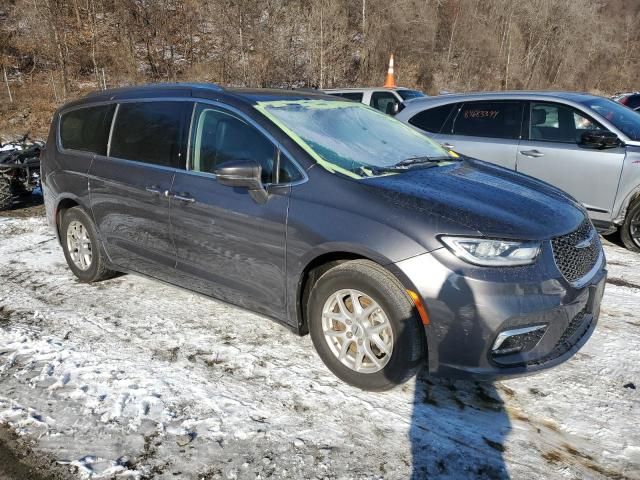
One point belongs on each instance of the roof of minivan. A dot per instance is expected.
(200, 90)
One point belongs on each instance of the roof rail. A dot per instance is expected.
(158, 86)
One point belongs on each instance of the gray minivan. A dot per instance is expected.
(588, 146)
(331, 218)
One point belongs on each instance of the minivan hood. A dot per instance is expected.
(484, 198)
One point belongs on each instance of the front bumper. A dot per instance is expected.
(470, 306)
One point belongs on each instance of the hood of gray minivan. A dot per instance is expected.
(484, 198)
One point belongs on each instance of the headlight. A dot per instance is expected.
(493, 253)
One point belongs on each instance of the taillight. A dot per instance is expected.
(624, 100)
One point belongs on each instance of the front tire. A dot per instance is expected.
(364, 326)
(82, 247)
(630, 230)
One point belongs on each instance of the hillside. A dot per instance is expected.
(55, 50)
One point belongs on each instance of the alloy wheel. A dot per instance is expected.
(79, 245)
(357, 331)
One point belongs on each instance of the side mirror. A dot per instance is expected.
(245, 174)
(599, 139)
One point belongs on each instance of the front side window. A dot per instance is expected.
(220, 137)
(432, 119)
(489, 119)
(348, 137)
(152, 132)
(87, 129)
(552, 122)
(623, 118)
(384, 101)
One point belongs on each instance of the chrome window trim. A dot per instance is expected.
(113, 122)
(187, 163)
(195, 100)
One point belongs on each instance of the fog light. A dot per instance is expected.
(517, 340)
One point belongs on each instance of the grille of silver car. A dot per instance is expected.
(577, 252)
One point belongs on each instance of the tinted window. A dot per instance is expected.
(220, 137)
(633, 101)
(489, 119)
(152, 132)
(357, 96)
(87, 129)
(552, 122)
(432, 119)
(384, 101)
(409, 94)
(287, 172)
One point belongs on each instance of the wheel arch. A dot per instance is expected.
(316, 266)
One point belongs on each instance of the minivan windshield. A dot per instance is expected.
(623, 118)
(352, 138)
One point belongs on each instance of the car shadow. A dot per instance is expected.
(458, 427)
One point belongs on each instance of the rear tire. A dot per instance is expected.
(6, 191)
(630, 230)
(82, 248)
(375, 346)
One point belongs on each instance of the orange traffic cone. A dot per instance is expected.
(390, 82)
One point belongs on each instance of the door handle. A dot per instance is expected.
(448, 146)
(532, 153)
(153, 189)
(184, 197)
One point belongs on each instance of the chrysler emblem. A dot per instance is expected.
(587, 241)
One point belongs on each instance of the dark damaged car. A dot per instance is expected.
(331, 218)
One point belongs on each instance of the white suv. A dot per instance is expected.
(386, 100)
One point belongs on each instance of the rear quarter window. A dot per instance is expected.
(432, 119)
(86, 129)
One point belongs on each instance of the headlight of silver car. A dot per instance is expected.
(491, 252)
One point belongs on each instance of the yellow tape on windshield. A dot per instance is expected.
(312, 104)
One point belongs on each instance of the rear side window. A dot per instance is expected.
(87, 129)
(489, 119)
(431, 120)
(152, 132)
(356, 96)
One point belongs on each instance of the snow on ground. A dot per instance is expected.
(131, 378)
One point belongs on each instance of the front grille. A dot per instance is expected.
(564, 345)
(574, 260)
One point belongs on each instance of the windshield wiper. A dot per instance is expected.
(411, 161)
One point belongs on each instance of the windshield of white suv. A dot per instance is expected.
(409, 94)
(351, 138)
(623, 118)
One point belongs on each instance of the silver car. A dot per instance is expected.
(588, 146)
